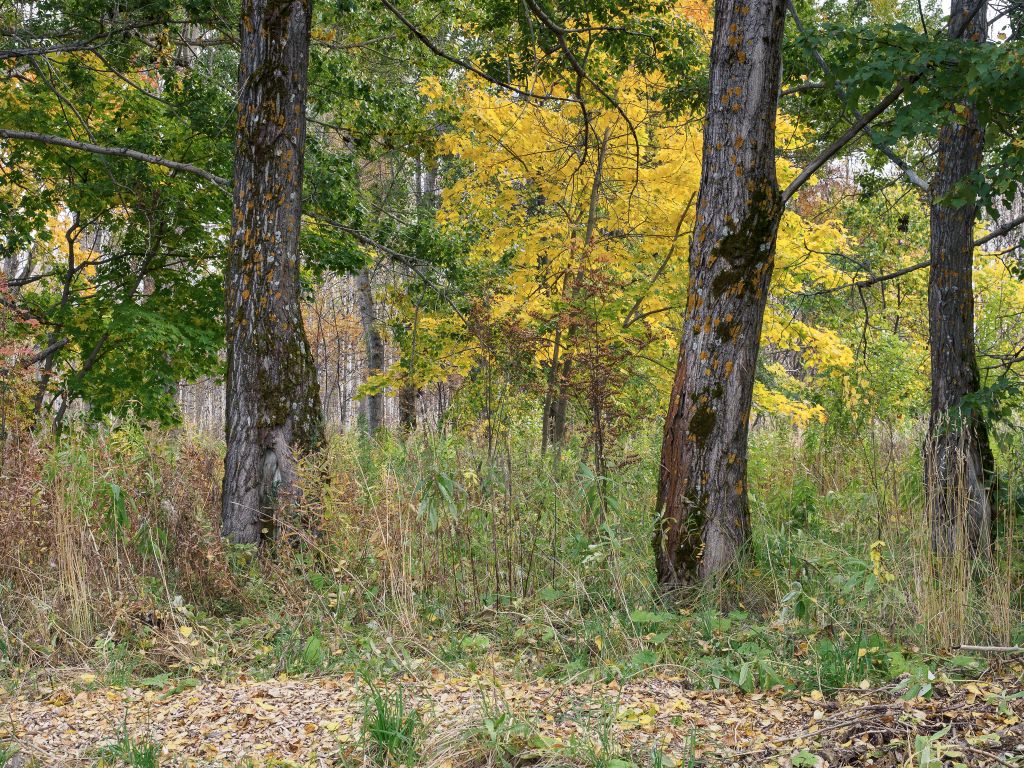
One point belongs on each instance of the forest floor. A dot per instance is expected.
(479, 720)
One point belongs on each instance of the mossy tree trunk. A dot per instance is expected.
(702, 507)
(958, 461)
(273, 400)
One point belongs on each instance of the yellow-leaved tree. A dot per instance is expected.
(578, 223)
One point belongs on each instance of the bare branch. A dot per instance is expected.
(810, 85)
(836, 146)
(581, 72)
(82, 45)
(865, 120)
(410, 261)
(869, 281)
(883, 147)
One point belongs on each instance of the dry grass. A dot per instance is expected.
(101, 537)
(91, 532)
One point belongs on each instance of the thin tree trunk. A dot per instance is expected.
(556, 402)
(958, 461)
(702, 507)
(547, 414)
(407, 396)
(273, 402)
(374, 404)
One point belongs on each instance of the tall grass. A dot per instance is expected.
(445, 547)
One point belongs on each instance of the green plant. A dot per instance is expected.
(7, 753)
(129, 751)
(501, 737)
(390, 728)
(931, 752)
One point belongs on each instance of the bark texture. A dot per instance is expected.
(273, 400)
(702, 507)
(408, 394)
(373, 404)
(958, 461)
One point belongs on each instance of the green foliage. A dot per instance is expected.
(7, 754)
(130, 751)
(390, 728)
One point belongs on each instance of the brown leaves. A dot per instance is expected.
(312, 722)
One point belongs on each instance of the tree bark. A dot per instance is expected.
(408, 394)
(273, 401)
(702, 506)
(958, 460)
(374, 403)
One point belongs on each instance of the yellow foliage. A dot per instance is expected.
(539, 178)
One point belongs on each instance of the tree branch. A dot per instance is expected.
(468, 66)
(869, 281)
(582, 74)
(1002, 229)
(810, 85)
(836, 146)
(884, 148)
(402, 258)
(131, 154)
(864, 120)
(83, 45)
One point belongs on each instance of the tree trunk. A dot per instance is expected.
(958, 459)
(407, 396)
(374, 404)
(551, 393)
(702, 507)
(273, 401)
(556, 402)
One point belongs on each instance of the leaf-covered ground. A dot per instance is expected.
(472, 720)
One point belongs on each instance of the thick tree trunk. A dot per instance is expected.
(958, 459)
(703, 515)
(374, 404)
(273, 401)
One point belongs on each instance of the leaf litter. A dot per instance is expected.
(653, 719)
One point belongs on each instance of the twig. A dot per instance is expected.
(992, 648)
(468, 66)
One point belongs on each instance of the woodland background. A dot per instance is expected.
(467, 272)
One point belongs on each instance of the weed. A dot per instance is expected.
(500, 740)
(130, 752)
(390, 729)
(7, 754)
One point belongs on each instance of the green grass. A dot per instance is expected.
(130, 751)
(7, 754)
(435, 549)
(390, 728)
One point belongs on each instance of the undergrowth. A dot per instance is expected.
(439, 552)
